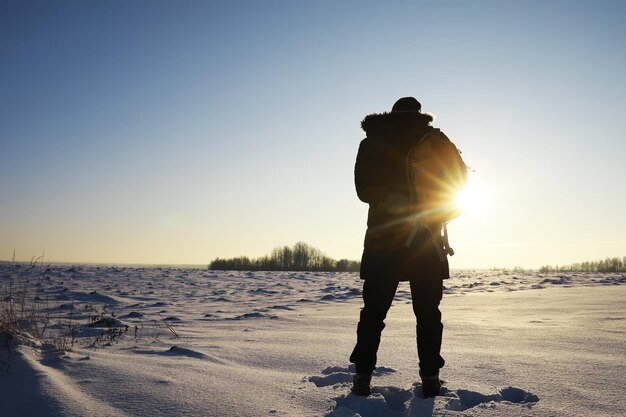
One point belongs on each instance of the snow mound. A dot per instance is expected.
(94, 297)
(132, 315)
(255, 315)
(518, 395)
(107, 322)
(278, 307)
(180, 352)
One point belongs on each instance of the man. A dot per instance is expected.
(395, 249)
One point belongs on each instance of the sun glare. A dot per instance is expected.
(473, 199)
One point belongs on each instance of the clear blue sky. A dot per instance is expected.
(175, 132)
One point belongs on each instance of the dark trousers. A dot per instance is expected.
(378, 295)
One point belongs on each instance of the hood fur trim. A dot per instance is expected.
(397, 121)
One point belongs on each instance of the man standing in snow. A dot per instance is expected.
(388, 255)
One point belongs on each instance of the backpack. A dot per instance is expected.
(436, 173)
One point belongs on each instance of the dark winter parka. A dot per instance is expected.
(381, 181)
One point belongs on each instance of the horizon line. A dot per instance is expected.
(205, 266)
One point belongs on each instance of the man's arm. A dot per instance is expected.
(367, 173)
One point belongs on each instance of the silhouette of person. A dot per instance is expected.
(381, 181)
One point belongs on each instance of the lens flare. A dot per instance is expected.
(473, 199)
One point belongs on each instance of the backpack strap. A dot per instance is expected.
(430, 132)
(446, 244)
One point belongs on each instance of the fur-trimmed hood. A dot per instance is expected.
(395, 123)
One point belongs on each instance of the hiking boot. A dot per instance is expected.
(431, 385)
(361, 384)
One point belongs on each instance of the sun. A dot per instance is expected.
(473, 199)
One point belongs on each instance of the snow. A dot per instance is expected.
(277, 343)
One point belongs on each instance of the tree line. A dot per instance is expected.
(299, 257)
(605, 265)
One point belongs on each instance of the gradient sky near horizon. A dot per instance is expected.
(176, 132)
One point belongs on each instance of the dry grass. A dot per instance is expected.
(22, 306)
(24, 309)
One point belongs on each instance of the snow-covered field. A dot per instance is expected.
(277, 344)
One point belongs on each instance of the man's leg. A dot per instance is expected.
(377, 296)
(426, 294)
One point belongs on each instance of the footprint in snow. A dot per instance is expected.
(338, 375)
(393, 401)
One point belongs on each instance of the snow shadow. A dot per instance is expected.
(390, 401)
